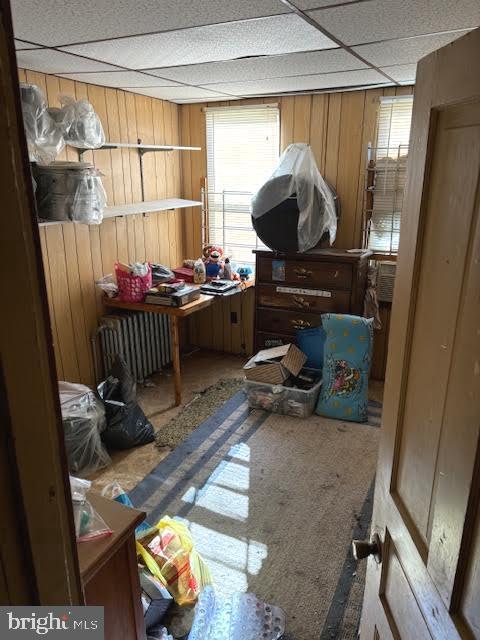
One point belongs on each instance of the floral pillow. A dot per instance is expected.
(346, 365)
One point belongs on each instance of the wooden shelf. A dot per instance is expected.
(138, 207)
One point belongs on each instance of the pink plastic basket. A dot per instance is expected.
(132, 288)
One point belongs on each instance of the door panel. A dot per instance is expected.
(401, 609)
(451, 198)
(470, 605)
(428, 475)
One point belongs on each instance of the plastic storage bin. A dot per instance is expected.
(284, 400)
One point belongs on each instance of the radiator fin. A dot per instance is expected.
(143, 339)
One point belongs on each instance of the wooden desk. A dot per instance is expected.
(108, 568)
(175, 313)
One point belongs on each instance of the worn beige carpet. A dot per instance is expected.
(273, 503)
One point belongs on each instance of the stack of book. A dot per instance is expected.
(174, 294)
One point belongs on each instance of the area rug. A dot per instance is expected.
(195, 412)
(273, 503)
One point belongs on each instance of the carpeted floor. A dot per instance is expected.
(273, 503)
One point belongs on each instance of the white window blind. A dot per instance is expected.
(389, 165)
(242, 151)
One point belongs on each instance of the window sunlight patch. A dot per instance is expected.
(241, 451)
(223, 501)
(232, 475)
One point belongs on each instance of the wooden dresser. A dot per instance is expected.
(109, 572)
(293, 290)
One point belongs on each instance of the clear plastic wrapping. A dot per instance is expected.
(86, 131)
(241, 616)
(70, 191)
(89, 524)
(83, 419)
(297, 173)
(44, 128)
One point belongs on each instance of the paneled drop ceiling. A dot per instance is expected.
(208, 50)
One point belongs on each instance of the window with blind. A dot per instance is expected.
(242, 150)
(386, 173)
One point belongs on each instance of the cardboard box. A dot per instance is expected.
(276, 364)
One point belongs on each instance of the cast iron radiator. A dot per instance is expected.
(142, 338)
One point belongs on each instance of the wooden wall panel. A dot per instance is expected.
(75, 256)
(338, 127)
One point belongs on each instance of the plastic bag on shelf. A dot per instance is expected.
(69, 191)
(89, 199)
(169, 554)
(86, 131)
(297, 173)
(83, 420)
(241, 616)
(45, 138)
(89, 524)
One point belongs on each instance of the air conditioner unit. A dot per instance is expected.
(385, 281)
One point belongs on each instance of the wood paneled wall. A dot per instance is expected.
(75, 256)
(338, 127)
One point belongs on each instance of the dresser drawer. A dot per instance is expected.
(286, 322)
(306, 273)
(303, 299)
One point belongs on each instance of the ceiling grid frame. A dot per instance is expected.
(388, 61)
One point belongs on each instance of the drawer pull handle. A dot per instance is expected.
(302, 273)
(301, 324)
(301, 302)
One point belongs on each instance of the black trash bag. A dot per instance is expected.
(127, 425)
(127, 391)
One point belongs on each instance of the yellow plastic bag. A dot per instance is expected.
(168, 552)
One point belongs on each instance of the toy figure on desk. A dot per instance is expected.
(213, 260)
(244, 272)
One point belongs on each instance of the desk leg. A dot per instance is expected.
(177, 379)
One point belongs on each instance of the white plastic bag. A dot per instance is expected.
(108, 285)
(86, 131)
(45, 136)
(297, 173)
(83, 421)
(89, 200)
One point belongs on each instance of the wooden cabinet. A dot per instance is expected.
(293, 290)
(108, 567)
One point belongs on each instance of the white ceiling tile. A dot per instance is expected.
(61, 22)
(120, 79)
(406, 51)
(51, 61)
(302, 83)
(179, 93)
(292, 64)
(402, 73)
(264, 36)
(20, 44)
(385, 19)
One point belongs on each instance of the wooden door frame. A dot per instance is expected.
(430, 97)
(38, 555)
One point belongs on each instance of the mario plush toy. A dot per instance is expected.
(212, 256)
